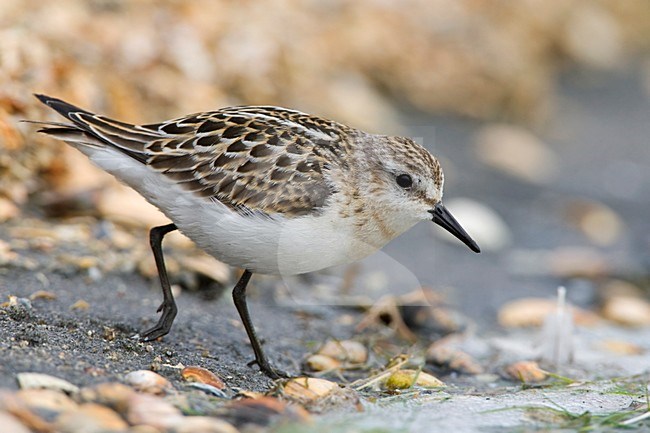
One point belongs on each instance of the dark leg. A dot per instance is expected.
(168, 306)
(239, 296)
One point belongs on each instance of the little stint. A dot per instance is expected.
(266, 189)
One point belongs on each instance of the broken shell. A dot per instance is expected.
(45, 381)
(21, 307)
(202, 375)
(306, 389)
(42, 294)
(80, 305)
(322, 363)
(108, 333)
(345, 350)
(148, 381)
(526, 371)
(405, 379)
(453, 359)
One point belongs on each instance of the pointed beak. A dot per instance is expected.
(445, 219)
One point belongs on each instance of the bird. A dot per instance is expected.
(266, 189)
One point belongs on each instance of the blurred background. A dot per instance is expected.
(538, 109)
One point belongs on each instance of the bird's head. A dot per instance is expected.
(407, 182)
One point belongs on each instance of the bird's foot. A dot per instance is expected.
(269, 371)
(164, 324)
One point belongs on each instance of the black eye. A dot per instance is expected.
(404, 180)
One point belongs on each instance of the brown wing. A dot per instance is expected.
(253, 159)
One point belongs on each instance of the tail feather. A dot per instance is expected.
(60, 106)
(90, 129)
(73, 136)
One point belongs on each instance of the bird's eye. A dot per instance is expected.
(404, 180)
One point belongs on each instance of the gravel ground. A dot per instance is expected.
(598, 127)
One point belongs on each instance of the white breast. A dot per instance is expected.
(259, 244)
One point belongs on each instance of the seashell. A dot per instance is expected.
(45, 381)
(526, 371)
(345, 350)
(148, 381)
(202, 375)
(405, 379)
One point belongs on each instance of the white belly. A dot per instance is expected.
(259, 244)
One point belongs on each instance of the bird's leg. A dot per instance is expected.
(239, 296)
(168, 306)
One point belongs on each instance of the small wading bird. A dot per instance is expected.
(266, 189)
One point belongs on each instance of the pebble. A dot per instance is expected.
(148, 381)
(619, 347)
(122, 204)
(37, 408)
(207, 266)
(485, 226)
(562, 262)
(615, 287)
(593, 36)
(145, 429)
(12, 424)
(90, 418)
(322, 363)
(46, 399)
(152, 410)
(572, 262)
(8, 210)
(6, 254)
(262, 411)
(627, 310)
(203, 424)
(517, 152)
(112, 394)
(532, 312)
(348, 351)
(598, 222)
